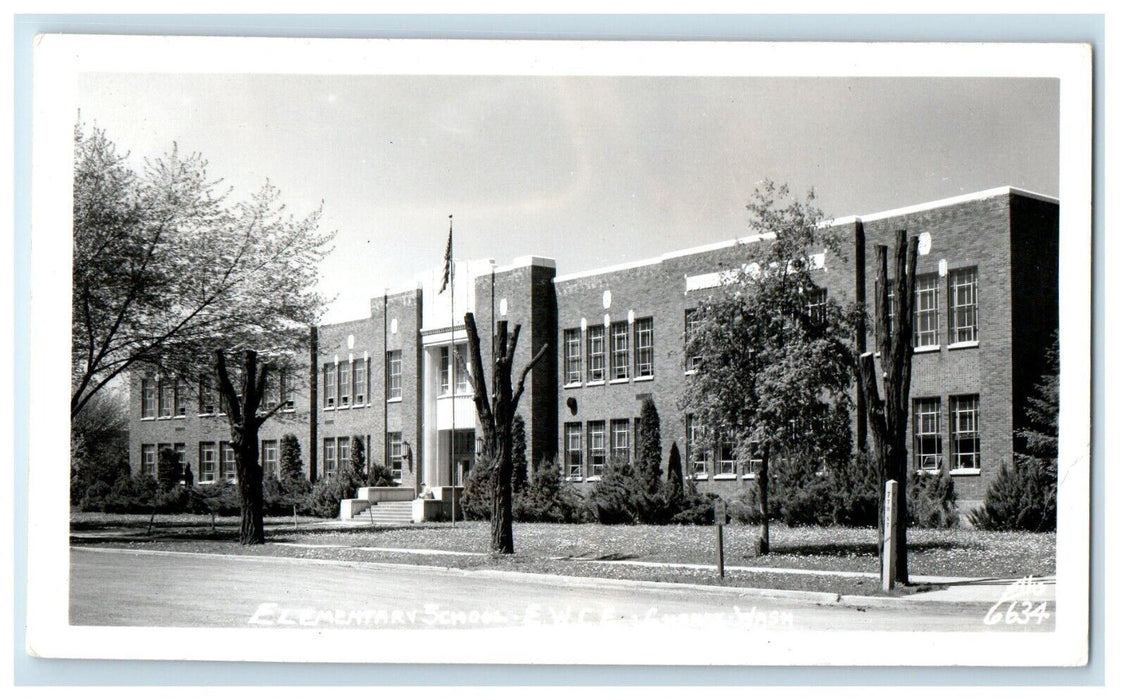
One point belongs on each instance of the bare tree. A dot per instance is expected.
(495, 416)
(242, 415)
(887, 417)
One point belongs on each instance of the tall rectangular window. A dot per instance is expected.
(207, 461)
(816, 304)
(344, 382)
(329, 456)
(167, 397)
(573, 356)
(643, 347)
(273, 392)
(148, 398)
(691, 323)
(699, 451)
(573, 450)
(329, 385)
(344, 452)
(620, 441)
(148, 460)
(227, 470)
(289, 388)
(181, 397)
(270, 457)
(619, 350)
(395, 374)
(595, 447)
(926, 311)
(444, 364)
(359, 382)
(755, 463)
(208, 403)
(726, 462)
(395, 454)
(928, 435)
(965, 440)
(181, 451)
(963, 305)
(595, 353)
(461, 371)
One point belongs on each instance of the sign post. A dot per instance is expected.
(891, 519)
(720, 519)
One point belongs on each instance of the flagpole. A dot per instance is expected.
(453, 383)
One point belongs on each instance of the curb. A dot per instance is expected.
(560, 580)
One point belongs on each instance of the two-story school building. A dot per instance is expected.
(986, 307)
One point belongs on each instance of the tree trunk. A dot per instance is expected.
(502, 494)
(252, 529)
(763, 545)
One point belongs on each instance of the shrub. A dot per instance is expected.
(614, 497)
(931, 502)
(695, 508)
(324, 501)
(477, 496)
(221, 499)
(133, 494)
(379, 475)
(1020, 498)
(290, 465)
(854, 486)
(357, 459)
(549, 499)
(169, 471)
(744, 508)
(800, 492)
(519, 454)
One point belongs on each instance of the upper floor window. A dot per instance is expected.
(344, 382)
(573, 356)
(816, 304)
(691, 324)
(148, 398)
(395, 374)
(619, 350)
(963, 305)
(181, 397)
(928, 436)
(167, 398)
(926, 310)
(359, 381)
(288, 383)
(329, 375)
(596, 353)
(444, 360)
(207, 396)
(461, 372)
(643, 347)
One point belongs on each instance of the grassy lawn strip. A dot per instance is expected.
(590, 548)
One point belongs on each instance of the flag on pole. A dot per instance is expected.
(447, 273)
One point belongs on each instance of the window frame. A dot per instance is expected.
(394, 375)
(957, 435)
(148, 398)
(621, 454)
(328, 457)
(927, 408)
(691, 362)
(695, 433)
(596, 452)
(595, 370)
(573, 356)
(149, 456)
(226, 447)
(933, 313)
(573, 454)
(619, 354)
(328, 379)
(208, 468)
(965, 330)
(643, 351)
(270, 466)
(394, 454)
(344, 384)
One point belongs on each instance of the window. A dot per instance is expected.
(755, 463)
(395, 374)
(207, 461)
(691, 323)
(344, 382)
(329, 386)
(288, 387)
(344, 452)
(928, 437)
(619, 441)
(965, 442)
(270, 457)
(148, 460)
(461, 372)
(963, 305)
(207, 402)
(816, 304)
(699, 454)
(444, 363)
(573, 450)
(273, 393)
(643, 347)
(573, 356)
(148, 398)
(395, 454)
(619, 351)
(181, 451)
(926, 311)
(726, 463)
(596, 447)
(227, 471)
(181, 398)
(359, 381)
(329, 456)
(595, 353)
(167, 397)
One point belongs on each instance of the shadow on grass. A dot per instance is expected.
(852, 549)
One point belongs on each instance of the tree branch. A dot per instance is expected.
(528, 368)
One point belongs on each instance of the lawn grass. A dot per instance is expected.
(590, 550)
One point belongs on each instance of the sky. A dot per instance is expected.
(589, 171)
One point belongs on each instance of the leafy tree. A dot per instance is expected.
(774, 359)
(495, 415)
(290, 465)
(99, 444)
(169, 471)
(1038, 437)
(519, 454)
(649, 446)
(167, 268)
(358, 459)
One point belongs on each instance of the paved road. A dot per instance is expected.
(124, 587)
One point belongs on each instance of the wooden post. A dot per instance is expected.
(891, 520)
(720, 518)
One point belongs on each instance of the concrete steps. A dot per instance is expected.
(393, 513)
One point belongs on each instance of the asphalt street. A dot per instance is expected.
(135, 588)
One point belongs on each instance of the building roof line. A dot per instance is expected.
(731, 242)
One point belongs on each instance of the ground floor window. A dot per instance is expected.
(148, 460)
(270, 457)
(699, 453)
(207, 461)
(573, 450)
(619, 441)
(344, 453)
(395, 454)
(965, 440)
(329, 456)
(928, 436)
(726, 463)
(227, 471)
(596, 447)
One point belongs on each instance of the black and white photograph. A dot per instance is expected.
(410, 351)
